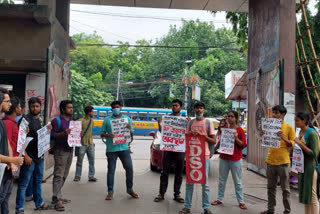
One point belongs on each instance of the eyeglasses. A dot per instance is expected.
(7, 101)
(230, 116)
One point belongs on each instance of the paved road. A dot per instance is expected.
(89, 197)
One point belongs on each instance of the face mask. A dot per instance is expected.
(199, 116)
(116, 111)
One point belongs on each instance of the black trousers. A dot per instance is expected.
(169, 158)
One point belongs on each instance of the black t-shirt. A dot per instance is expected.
(4, 150)
(32, 148)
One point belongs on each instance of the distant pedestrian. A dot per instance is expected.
(23, 110)
(115, 151)
(308, 141)
(88, 146)
(232, 163)
(278, 163)
(63, 154)
(200, 126)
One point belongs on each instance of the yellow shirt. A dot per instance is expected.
(87, 139)
(278, 156)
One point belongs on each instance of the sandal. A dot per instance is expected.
(64, 200)
(133, 194)
(184, 211)
(43, 207)
(59, 207)
(76, 179)
(158, 198)
(216, 203)
(243, 206)
(178, 199)
(109, 197)
(92, 179)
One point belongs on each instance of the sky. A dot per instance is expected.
(131, 24)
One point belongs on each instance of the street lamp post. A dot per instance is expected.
(188, 62)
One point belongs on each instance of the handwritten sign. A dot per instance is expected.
(297, 159)
(2, 168)
(173, 133)
(22, 135)
(25, 145)
(227, 141)
(195, 159)
(43, 140)
(121, 133)
(74, 138)
(271, 126)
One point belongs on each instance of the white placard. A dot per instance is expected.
(227, 141)
(173, 133)
(43, 140)
(121, 133)
(297, 159)
(271, 126)
(2, 168)
(22, 136)
(74, 138)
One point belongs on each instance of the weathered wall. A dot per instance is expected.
(271, 35)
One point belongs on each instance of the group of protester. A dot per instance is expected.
(27, 167)
(30, 167)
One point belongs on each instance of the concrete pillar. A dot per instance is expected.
(271, 35)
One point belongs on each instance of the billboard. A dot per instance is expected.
(230, 80)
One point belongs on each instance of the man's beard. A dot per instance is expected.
(34, 113)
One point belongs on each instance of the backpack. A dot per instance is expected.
(51, 150)
(211, 146)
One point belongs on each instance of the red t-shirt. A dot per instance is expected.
(237, 153)
(12, 133)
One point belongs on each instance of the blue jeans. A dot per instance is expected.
(126, 161)
(236, 168)
(26, 172)
(29, 190)
(5, 192)
(205, 192)
(89, 150)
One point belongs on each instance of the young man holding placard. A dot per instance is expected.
(87, 147)
(63, 153)
(169, 157)
(6, 158)
(33, 165)
(116, 128)
(278, 163)
(200, 126)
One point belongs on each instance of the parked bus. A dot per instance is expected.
(144, 120)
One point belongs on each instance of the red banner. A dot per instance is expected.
(195, 159)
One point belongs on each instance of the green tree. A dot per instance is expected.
(82, 92)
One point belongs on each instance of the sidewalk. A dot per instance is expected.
(88, 197)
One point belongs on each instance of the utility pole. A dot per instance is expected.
(188, 62)
(118, 89)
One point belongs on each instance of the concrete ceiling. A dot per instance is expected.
(212, 5)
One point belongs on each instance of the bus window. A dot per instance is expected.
(95, 116)
(161, 114)
(133, 115)
(124, 112)
(102, 115)
(152, 116)
(143, 115)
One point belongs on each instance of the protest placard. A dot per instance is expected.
(17, 172)
(195, 159)
(271, 126)
(227, 141)
(121, 133)
(43, 140)
(2, 168)
(74, 138)
(297, 159)
(173, 133)
(22, 134)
